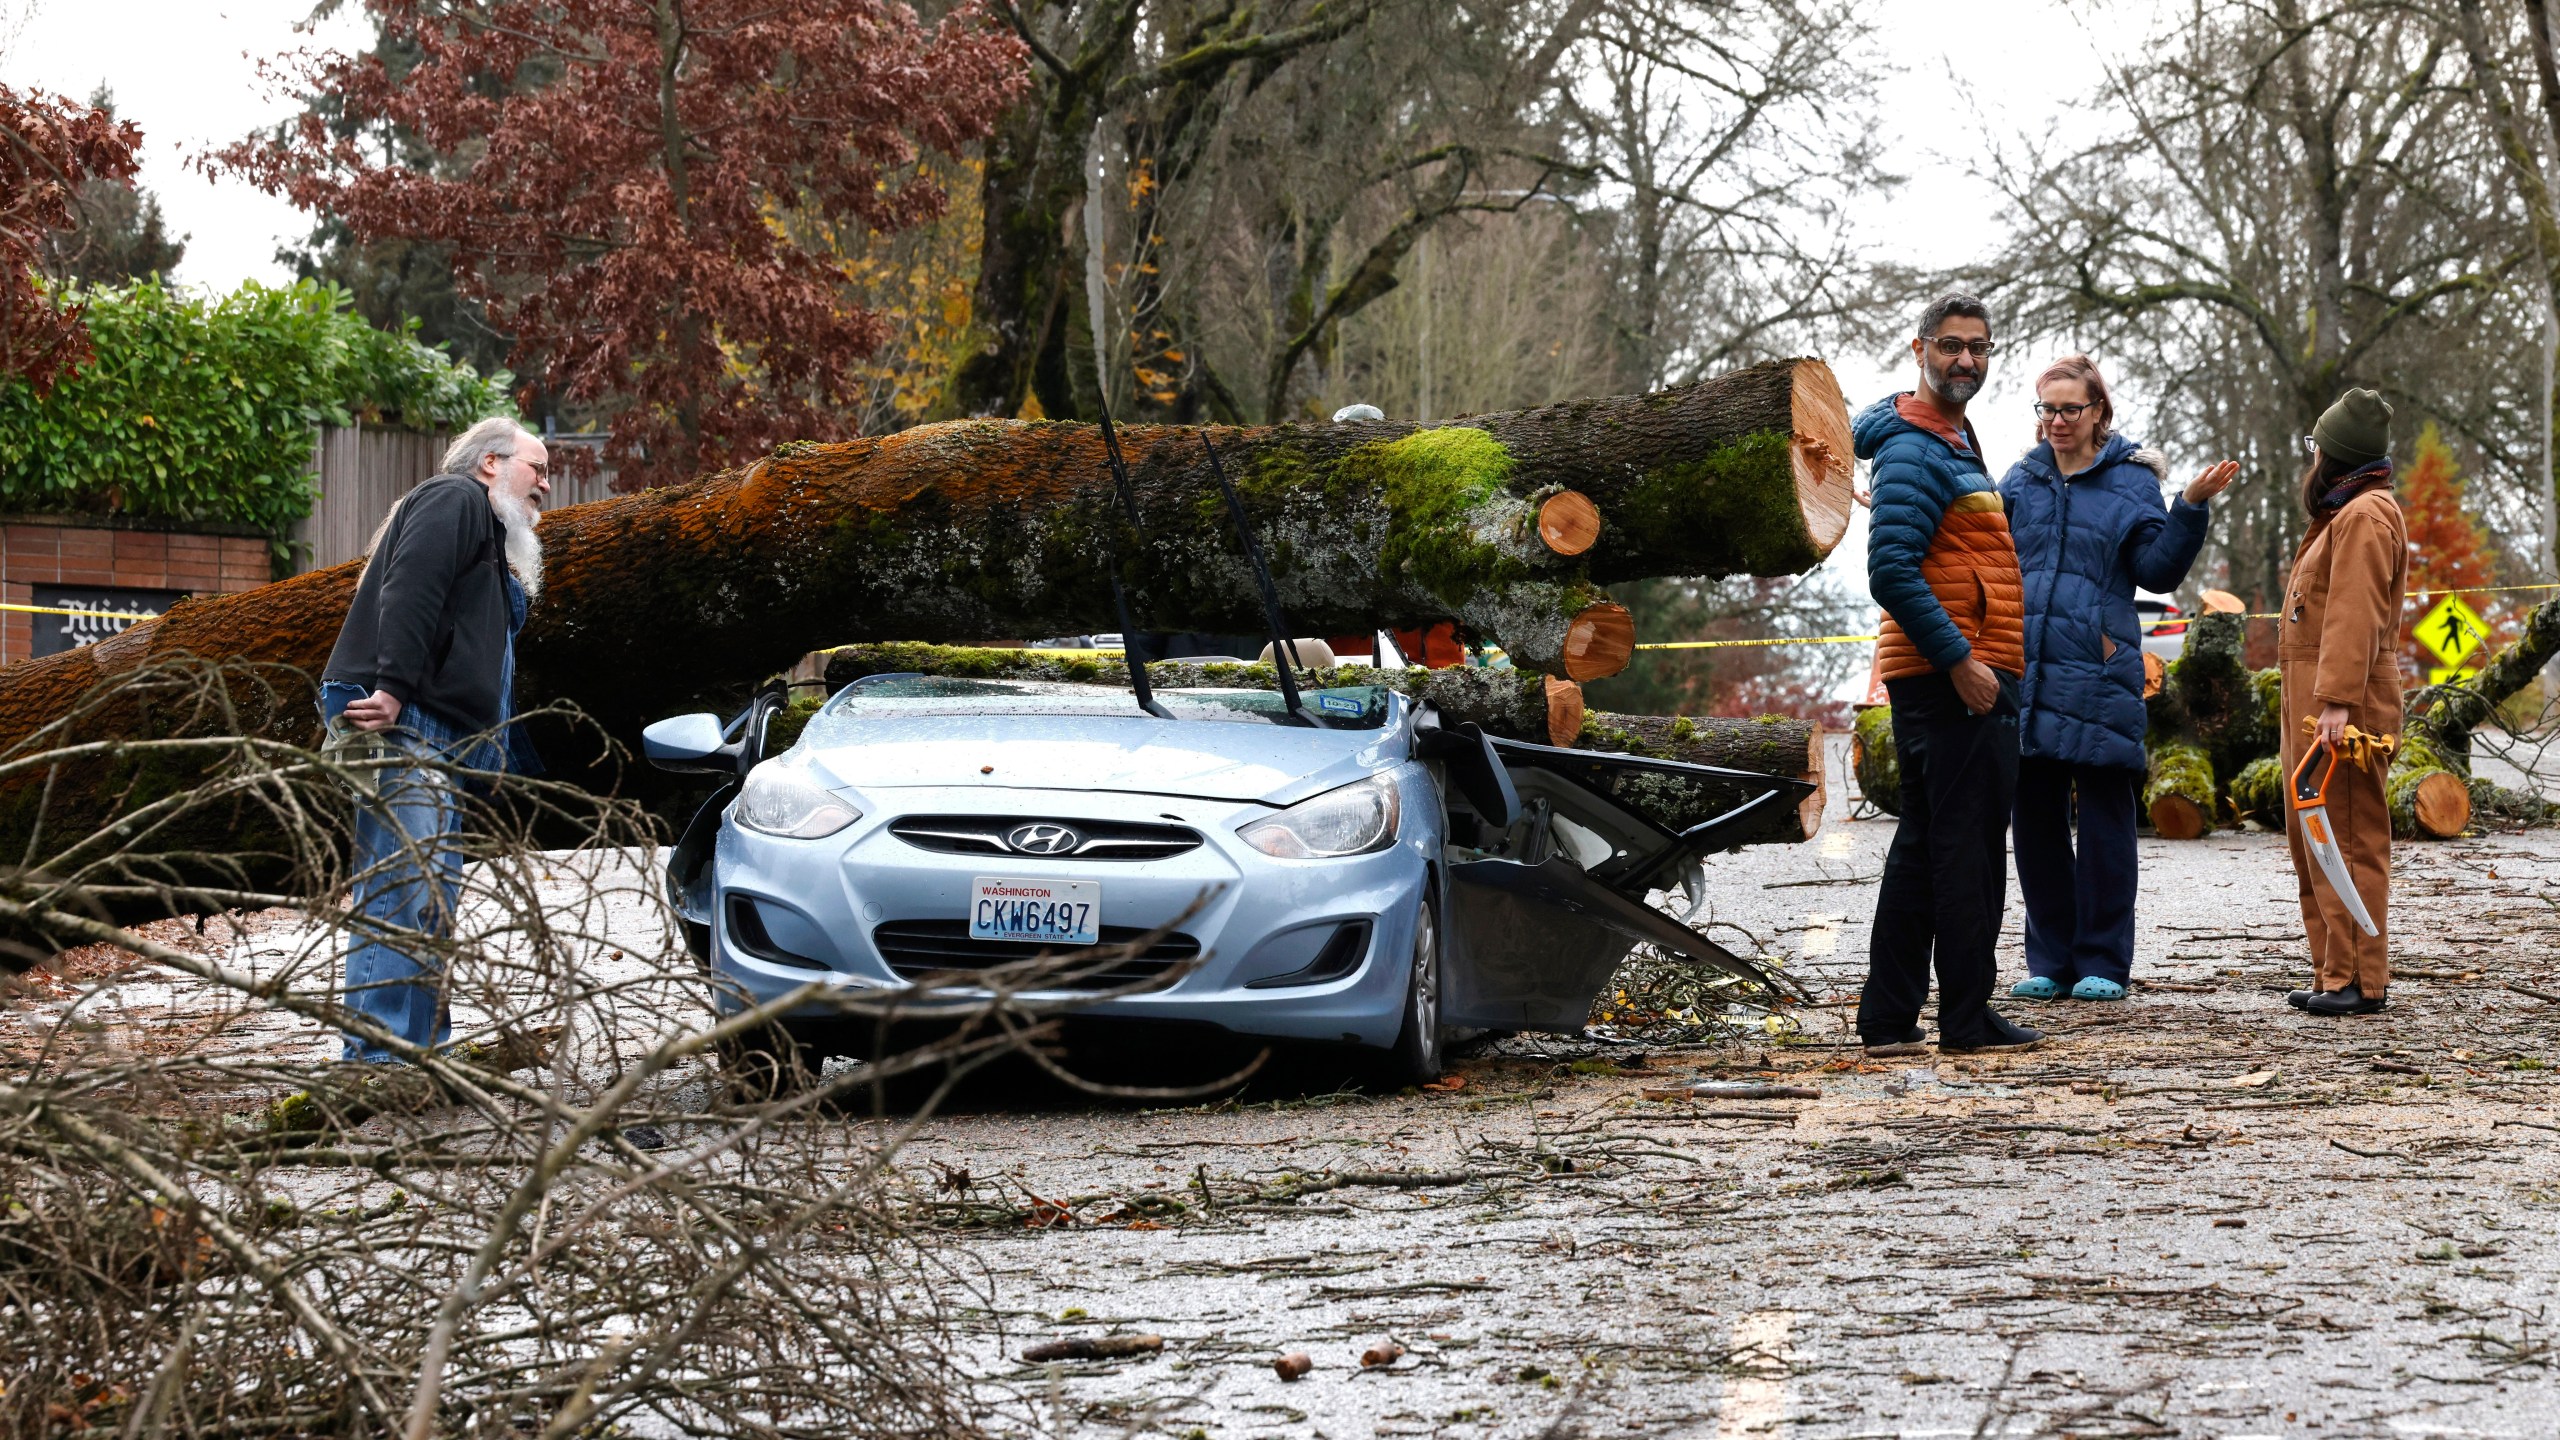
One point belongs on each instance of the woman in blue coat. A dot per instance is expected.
(2086, 510)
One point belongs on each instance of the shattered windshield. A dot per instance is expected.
(1350, 707)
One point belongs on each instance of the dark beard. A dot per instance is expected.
(1958, 388)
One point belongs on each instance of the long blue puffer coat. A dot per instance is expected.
(2083, 545)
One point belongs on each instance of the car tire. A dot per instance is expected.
(1422, 1043)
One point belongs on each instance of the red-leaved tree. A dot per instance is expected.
(637, 170)
(2447, 548)
(49, 146)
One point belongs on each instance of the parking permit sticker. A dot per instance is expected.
(1045, 912)
(1341, 704)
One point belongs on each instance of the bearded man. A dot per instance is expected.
(1941, 563)
(426, 662)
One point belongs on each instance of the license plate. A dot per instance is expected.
(1047, 912)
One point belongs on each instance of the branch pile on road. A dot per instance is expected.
(563, 1225)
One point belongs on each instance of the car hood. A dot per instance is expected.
(1207, 759)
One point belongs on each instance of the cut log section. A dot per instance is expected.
(1873, 760)
(2179, 795)
(2429, 799)
(1565, 710)
(688, 595)
(1569, 522)
(1507, 703)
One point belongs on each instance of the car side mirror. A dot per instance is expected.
(690, 744)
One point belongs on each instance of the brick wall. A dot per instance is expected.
(38, 550)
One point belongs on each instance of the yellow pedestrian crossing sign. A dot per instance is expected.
(2453, 630)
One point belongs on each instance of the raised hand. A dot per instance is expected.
(2213, 481)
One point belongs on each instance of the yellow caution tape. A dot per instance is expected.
(1729, 644)
(85, 614)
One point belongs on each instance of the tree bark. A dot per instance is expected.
(1873, 760)
(2257, 792)
(2428, 797)
(1508, 703)
(2180, 793)
(663, 600)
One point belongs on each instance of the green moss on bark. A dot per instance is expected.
(1743, 492)
(2180, 769)
(1878, 766)
(1435, 483)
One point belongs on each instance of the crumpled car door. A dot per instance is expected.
(1543, 910)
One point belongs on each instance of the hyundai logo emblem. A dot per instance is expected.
(1043, 839)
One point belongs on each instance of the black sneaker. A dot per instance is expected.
(1911, 1040)
(1996, 1034)
(2347, 1000)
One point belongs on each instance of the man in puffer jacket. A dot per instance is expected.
(1940, 562)
(2085, 508)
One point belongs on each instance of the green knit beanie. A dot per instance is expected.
(2356, 430)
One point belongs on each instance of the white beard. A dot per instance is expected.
(524, 547)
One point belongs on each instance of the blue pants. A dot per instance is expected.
(2079, 900)
(1945, 881)
(408, 877)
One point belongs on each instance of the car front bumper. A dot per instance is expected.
(821, 905)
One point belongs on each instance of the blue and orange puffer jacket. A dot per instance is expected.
(1939, 558)
(2084, 543)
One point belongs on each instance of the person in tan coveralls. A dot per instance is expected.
(2338, 648)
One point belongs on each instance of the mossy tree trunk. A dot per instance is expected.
(2257, 792)
(672, 597)
(2440, 735)
(2179, 795)
(1874, 761)
(2428, 797)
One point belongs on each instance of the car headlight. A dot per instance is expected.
(1358, 818)
(781, 799)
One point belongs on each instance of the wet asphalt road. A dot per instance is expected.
(2196, 1213)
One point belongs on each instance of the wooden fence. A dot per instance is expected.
(365, 470)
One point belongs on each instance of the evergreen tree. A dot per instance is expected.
(117, 232)
(2448, 550)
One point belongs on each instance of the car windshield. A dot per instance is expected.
(1350, 707)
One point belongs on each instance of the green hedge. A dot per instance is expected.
(200, 407)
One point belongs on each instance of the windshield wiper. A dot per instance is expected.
(1130, 655)
(1284, 651)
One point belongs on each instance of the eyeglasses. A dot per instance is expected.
(2071, 413)
(2311, 446)
(1949, 347)
(540, 468)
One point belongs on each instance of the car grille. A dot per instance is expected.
(1098, 839)
(917, 948)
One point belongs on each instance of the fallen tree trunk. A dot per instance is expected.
(1509, 703)
(2441, 733)
(997, 527)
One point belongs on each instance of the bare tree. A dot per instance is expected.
(1731, 150)
(2298, 200)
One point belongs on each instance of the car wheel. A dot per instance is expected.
(1421, 1045)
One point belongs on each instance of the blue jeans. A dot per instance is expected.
(408, 877)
